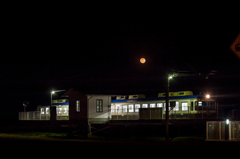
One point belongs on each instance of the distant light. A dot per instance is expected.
(142, 60)
(207, 96)
(227, 121)
(52, 92)
(170, 77)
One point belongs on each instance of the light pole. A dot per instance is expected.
(169, 77)
(51, 112)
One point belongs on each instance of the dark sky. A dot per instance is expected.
(46, 48)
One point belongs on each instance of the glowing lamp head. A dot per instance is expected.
(52, 92)
(207, 96)
(142, 60)
(227, 121)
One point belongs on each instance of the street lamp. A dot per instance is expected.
(53, 92)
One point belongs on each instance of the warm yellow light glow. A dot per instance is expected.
(142, 60)
(207, 96)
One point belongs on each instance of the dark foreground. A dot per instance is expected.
(63, 147)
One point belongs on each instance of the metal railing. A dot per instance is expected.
(37, 115)
(33, 115)
(222, 130)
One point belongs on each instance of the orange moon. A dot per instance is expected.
(142, 60)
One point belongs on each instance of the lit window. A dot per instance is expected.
(64, 110)
(184, 106)
(118, 108)
(153, 105)
(112, 109)
(168, 106)
(99, 105)
(159, 105)
(124, 107)
(144, 105)
(42, 110)
(176, 108)
(47, 110)
(59, 110)
(130, 108)
(77, 105)
(199, 104)
(137, 106)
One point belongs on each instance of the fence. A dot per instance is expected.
(37, 115)
(33, 115)
(223, 130)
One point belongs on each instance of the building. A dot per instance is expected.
(76, 107)
(96, 108)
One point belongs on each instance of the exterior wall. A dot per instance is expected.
(74, 115)
(93, 114)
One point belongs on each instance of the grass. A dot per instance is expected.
(65, 136)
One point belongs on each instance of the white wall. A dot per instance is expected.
(92, 112)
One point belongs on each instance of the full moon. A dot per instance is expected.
(142, 60)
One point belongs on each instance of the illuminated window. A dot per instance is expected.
(168, 106)
(59, 110)
(137, 106)
(42, 110)
(184, 106)
(159, 105)
(99, 105)
(64, 110)
(130, 107)
(124, 107)
(199, 104)
(176, 108)
(144, 105)
(47, 110)
(112, 109)
(153, 105)
(118, 108)
(77, 105)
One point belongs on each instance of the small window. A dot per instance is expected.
(169, 108)
(137, 106)
(184, 106)
(124, 107)
(59, 110)
(144, 105)
(153, 105)
(199, 104)
(64, 110)
(47, 110)
(176, 108)
(77, 105)
(42, 110)
(118, 108)
(159, 105)
(130, 107)
(112, 109)
(99, 105)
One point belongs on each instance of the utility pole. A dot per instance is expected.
(167, 111)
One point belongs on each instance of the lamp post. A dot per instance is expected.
(51, 112)
(167, 106)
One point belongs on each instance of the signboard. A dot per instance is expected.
(235, 46)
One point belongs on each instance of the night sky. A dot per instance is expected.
(99, 51)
